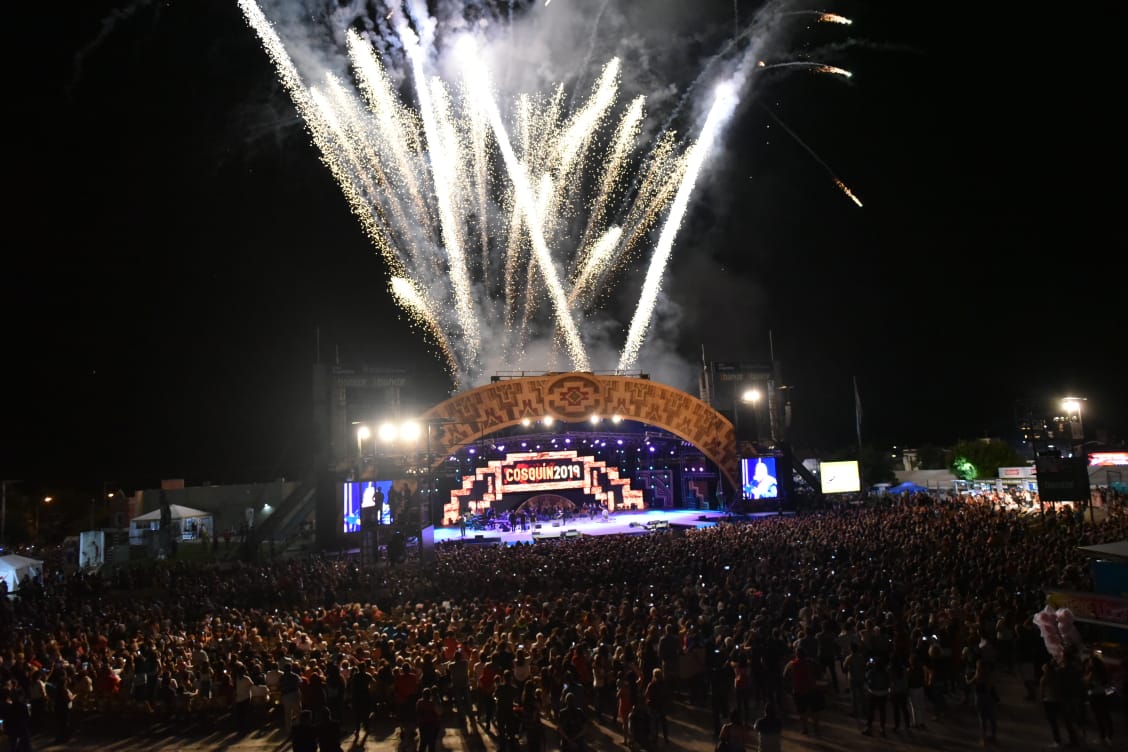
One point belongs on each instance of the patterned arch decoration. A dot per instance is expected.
(575, 397)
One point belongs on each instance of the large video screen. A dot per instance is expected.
(758, 478)
(357, 495)
(840, 477)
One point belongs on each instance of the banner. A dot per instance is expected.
(1094, 608)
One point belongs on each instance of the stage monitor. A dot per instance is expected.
(758, 478)
(840, 477)
(358, 496)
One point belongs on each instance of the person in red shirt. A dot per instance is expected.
(486, 685)
(582, 664)
(450, 647)
(429, 720)
(405, 689)
(801, 672)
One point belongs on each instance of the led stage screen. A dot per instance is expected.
(758, 478)
(358, 495)
(840, 477)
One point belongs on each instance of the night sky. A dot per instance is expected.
(179, 250)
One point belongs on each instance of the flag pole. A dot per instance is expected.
(858, 416)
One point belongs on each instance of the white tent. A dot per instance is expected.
(13, 568)
(181, 516)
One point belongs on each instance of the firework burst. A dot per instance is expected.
(504, 221)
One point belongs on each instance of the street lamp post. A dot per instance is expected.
(46, 500)
(1072, 407)
(363, 433)
(751, 397)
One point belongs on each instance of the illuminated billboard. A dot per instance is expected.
(840, 477)
(1108, 459)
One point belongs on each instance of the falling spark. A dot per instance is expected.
(843, 187)
(409, 298)
(523, 192)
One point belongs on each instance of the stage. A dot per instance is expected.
(620, 523)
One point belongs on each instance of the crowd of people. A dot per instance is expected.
(905, 609)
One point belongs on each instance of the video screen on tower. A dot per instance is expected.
(360, 495)
(840, 477)
(758, 478)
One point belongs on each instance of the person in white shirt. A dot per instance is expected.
(243, 686)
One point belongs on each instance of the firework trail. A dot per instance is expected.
(838, 182)
(504, 218)
(724, 102)
(813, 66)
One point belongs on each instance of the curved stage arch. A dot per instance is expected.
(574, 398)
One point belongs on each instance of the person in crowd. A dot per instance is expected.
(62, 701)
(15, 712)
(458, 674)
(290, 697)
(769, 729)
(303, 734)
(801, 674)
(899, 695)
(532, 717)
(854, 666)
(983, 687)
(657, 698)
(328, 731)
(1050, 688)
(429, 721)
(921, 577)
(827, 653)
(572, 726)
(735, 733)
(720, 682)
(916, 679)
(626, 698)
(1099, 689)
(360, 693)
(506, 697)
(877, 693)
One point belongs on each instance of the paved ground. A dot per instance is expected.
(1021, 727)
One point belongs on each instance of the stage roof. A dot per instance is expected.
(1117, 551)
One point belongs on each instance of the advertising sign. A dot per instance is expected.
(1095, 608)
(1062, 479)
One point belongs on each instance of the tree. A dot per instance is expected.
(982, 458)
